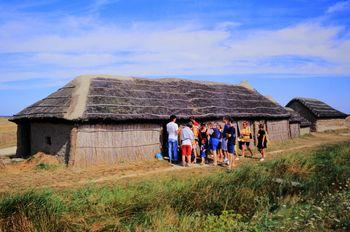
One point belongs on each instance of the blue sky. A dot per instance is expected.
(283, 48)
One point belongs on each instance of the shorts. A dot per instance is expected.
(214, 144)
(241, 143)
(262, 145)
(231, 148)
(224, 145)
(186, 150)
(203, 154)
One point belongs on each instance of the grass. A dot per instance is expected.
(32, 211)
(7, 133)
(246, 199)
(45, 166)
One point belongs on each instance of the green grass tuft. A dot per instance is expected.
(45, 166)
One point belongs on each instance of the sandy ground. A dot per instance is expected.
(26, 176)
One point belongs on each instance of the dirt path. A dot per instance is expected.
(174, 168)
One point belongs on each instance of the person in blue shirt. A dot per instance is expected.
(214, 141)
(229, 134)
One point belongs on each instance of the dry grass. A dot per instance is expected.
(347, 122)
(26, 176)
(7, 133)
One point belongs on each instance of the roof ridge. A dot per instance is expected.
(79, 98)
(159, 79)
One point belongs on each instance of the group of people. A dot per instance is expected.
(212, 141)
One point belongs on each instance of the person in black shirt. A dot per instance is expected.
(262, 141)
(230, 134)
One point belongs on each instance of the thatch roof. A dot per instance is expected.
(127, 98)
(318, 108)
(297, 118)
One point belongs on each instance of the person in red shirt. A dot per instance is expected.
(194, 122)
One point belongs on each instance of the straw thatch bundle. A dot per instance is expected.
(297, 118)
(318, 108)
(89, 98)
(2, 165)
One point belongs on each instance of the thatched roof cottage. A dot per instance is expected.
(106, 119)
(298, 125)
(321, 115)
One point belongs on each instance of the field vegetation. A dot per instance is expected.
(7, 133)
(301, 191)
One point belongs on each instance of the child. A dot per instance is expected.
(203, 151)
(215, 136)
(224, 145)
(219, 151)
(262, 141)
(203, 138)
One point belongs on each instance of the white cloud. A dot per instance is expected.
(339, 6)
(70, 46)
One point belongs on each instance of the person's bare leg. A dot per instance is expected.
(194, 154)
(250, 151)
(243, 150)
(183, 160)
(230, 160)
(215, 158)
(262, 151)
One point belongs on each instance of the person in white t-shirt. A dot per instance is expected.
(173, 131)
(187, 139)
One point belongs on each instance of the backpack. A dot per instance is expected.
(216, 133)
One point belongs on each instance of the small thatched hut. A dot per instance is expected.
(106, 119)
(298, 125)
(322, 116)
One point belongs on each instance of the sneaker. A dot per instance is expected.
(262, 159)
(226, 160)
